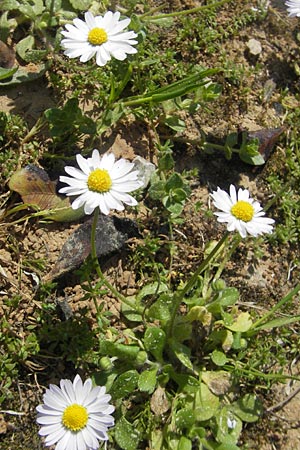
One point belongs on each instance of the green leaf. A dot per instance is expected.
(183, 353)
(256, 160)
(23, 74)
(31, 8)
(228, 425)
(225, 297)
(81, 5)
(161, 21)
(7, 73)
(249, 152)
(69, 119)
(247, 408)
(161, 309)
(175, 123)
(151, 289)
(218, 358)
(157, 189)
(111, 117)
(154, 341)
(227, 447)
(175, 209)
(157, 438)
(24, 45)
(206, 403)
(127, 436)
(174, 181)
(182, 331)
(147, 380)
(184, 444)
(225, 337)
(9, 5)
(125, 384)
(6, 26)
(242, 324)
(186, 383)
(121, 351)
(184, 418)
(53, 4)
(181, 87)
(279, 322)
(130, 313)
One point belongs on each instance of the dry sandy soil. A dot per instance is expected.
(261, 283)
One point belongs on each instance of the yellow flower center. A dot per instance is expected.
(99, 181)
(243, 211)
(97, 36)
(75, 417)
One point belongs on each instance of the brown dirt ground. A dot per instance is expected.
(260, 282)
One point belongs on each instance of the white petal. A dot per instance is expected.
(109, 19)
(49, 419)
(108, 161)
(67, 388)
(81, 25)
(67, 442)
(84, 392)
(95, 160)
(49, 429)
(87, 55)
(119, 27)
(55, 437)
(90, 438)
(127, 186)
(83, 164)
(88, 209)
(243, 194)
(90, 20)
(103, 206)
(73, 182)
(102, 57)
(76, 173)
(232, 192)
(121, 168)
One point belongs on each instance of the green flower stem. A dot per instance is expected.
(194, 278)
(234, 244)
(275, 308)
(105, 282)
(40, 124)
(285, 187)
(179, 296)
(257, 373)
(185, 12)
(219, 147)
(138, 101)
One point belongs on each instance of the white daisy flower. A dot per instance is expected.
(101, 182)
(100, 36)
(241, 212)
(293, 7)
(75, 416)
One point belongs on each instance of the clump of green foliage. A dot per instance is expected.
(174, 368)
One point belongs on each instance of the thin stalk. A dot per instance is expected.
(184, 12)
(193, 280)
(279, 194)
(275, 308)
(105, 282)
(259, 374)
(235, 243)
